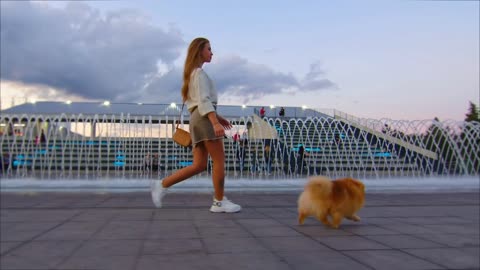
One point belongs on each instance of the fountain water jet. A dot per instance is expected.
(124, 146)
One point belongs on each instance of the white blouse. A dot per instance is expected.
(201, 92)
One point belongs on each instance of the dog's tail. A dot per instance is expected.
(321, 186)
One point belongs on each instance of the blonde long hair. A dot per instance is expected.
(193, 60)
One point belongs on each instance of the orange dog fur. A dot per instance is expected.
(339, 199)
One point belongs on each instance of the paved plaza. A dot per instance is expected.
(123, 231)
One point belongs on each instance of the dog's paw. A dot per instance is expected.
(356, 218)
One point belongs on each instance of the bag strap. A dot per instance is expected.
(180, 116)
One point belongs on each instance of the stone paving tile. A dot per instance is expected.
(382, 220)
(98, 262)
(368, 230)
(177, 262)
(409, 229)
(21, 231)
(134, 214)
(38, 255)
(233, 245)
(123, 230)
(109, 248)
(160, 232)
(45, 215)
(114, 201)
(434, 220)
(309, 222)
(202, 213)
(227, 232)
(295, 244)
(74, 230)
(475, 251)
(325, 260)
(456, 228)
(90, 202)
(468, 211)
(350, 243)
(453, 240)
(258, 222)
(273, 231)
(6, 246)
(278, 212)
(467, 258)
(215, 223)
(172, 246)
(243, 261)
(249, 214)
(391, 260)
(403, 241)
(205, 214)
(7, 226)
(171, 214)
(320, 230)
(17, 200)
(28, 263)
(167, 225)
(97, 214)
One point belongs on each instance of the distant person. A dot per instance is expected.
(207, 129)
(236, 138)
(262, 112)
(253, 158)
(43, 139)
(10, 129)
(244, 138)
(281, 113)
(5, 164)
(240, 153)
(338, 140)
(288, 159)
(267, 156)
(2, 163)
(155, 163)
(300, 158)
(147, 163)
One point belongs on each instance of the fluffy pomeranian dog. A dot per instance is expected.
(339, 199)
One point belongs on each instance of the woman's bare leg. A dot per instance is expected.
(200, 158)
(217, 153)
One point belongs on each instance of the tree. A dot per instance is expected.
(473, 113)
(437, 139)
(470, 139)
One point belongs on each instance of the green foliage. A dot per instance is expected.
(446, 143)
(473, 113)
(437, 139)
(470, 139)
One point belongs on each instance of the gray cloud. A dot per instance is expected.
(79, 50)
(237, 77)
(164, 88)
(241, 80)
(115, 56)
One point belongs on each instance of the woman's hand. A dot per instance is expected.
(218, 129)
(224, 122)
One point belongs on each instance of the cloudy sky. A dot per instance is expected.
(400, 59)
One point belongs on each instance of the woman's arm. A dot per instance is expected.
(216, 123)
(202, 89)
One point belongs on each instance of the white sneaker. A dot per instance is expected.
(158, 192)
(224, 206)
